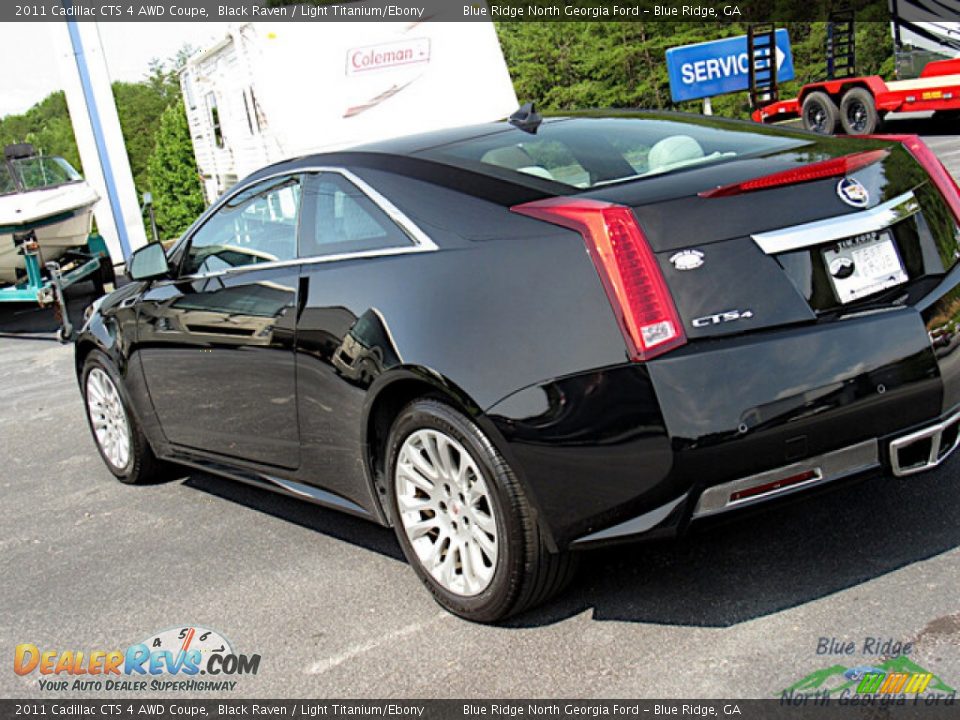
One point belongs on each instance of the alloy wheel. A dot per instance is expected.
(857, 116)
(109, 418)
(817, 120)
(447, 512)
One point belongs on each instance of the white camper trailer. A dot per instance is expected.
(269, 91)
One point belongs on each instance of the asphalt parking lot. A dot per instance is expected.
(333, 610)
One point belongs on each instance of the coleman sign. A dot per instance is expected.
(388, 55)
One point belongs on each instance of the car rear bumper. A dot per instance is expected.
(644, 450)
(869, 458)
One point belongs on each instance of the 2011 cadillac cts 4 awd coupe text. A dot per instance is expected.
(513, 342)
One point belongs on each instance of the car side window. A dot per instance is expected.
(338, 217)
(257, 225)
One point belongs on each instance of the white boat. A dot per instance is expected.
(42, 193)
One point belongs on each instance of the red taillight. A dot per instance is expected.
(805, 173)
(627, 266)
(938, 173)
(786, 482)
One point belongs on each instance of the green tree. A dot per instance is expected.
(140, 106)
(578, 65)
(46, 125)
(173, 176)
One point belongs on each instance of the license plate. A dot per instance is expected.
(864, 265)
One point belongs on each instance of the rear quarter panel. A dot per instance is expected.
(504, 303)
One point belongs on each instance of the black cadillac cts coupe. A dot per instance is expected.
(516, 340)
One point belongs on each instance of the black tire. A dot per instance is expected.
(820, 113)
(526, 573)
(858, 114)
(142, 466)
(946, 116)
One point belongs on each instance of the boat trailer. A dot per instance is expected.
(45, 282)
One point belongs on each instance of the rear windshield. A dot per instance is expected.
(589, 152)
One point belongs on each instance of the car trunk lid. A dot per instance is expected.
(757, 244)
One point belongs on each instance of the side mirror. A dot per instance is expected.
(148, 263)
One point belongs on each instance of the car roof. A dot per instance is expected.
(417, 156)
(409, 144)
(403, 154)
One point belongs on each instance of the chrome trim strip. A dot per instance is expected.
(935, 434)
(841, 226)
(316, 494)
(829, 466)
(421, 241)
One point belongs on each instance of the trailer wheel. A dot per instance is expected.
(858, 114)
(820, 113)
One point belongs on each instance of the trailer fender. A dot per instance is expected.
(837, 88)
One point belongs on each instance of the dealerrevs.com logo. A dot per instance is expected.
(187, 659)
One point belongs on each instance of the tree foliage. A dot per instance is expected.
(174, 178)
(46, 125)
(560, 65)
(140, 107)
(577, 65)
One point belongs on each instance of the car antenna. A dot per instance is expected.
(527, 118)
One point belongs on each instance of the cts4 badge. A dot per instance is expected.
(722, 317)
(853, 193)
(687, 259)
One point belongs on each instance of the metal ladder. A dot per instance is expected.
(841, 44)
(762, 57)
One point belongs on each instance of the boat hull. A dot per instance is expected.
(60, 217)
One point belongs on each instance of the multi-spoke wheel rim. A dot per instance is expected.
(108, 417)
(817, 119)
(857, 116)
(447, 511)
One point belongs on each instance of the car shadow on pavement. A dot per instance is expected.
(769, 562)
(300, 512)
(726, 574)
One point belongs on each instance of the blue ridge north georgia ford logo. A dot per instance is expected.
(853, 193)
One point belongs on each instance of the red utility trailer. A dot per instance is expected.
(858, 104)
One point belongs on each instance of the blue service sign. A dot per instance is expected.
(720, 66)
